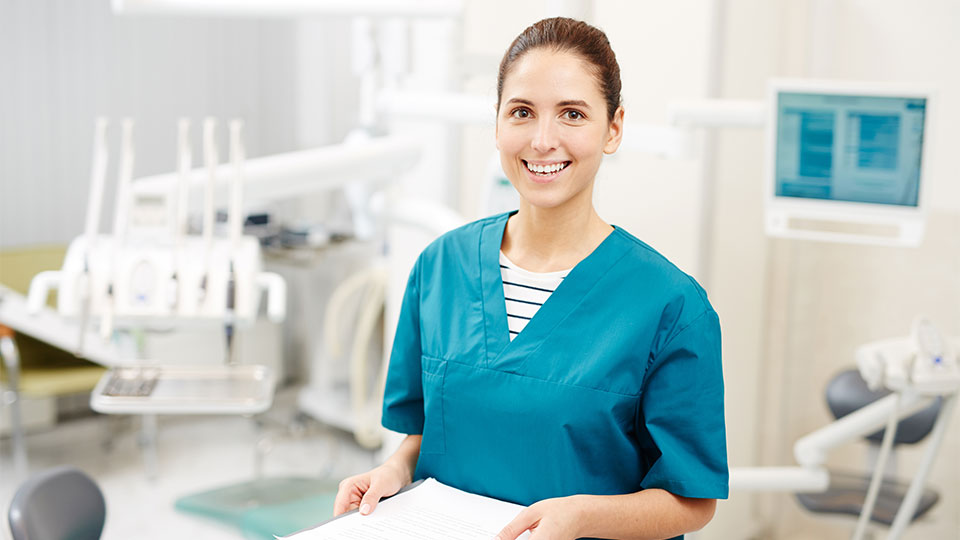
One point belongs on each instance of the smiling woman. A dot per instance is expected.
(546, 357)
(552, 129)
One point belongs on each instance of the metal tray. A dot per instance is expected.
(164, 389)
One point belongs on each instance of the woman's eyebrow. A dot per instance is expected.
(574, 102)
(564, 103)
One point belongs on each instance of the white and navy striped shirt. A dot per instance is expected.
(525, 292)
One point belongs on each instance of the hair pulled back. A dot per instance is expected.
(562, 34)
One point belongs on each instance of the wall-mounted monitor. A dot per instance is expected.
(846, 162)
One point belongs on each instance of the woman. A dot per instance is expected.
(581, 375)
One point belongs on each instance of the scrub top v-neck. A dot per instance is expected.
(614, 386)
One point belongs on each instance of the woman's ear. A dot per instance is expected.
(614, 132)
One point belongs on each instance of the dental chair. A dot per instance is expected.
(846, 393)
(62, 503)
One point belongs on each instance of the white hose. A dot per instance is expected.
(367, 429)
(331, 319)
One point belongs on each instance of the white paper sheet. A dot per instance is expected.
(430, 511)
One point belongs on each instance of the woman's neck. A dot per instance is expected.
(552, 239)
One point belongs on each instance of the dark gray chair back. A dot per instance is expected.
(847, 392)
(61, 503)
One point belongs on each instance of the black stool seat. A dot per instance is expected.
(847, 493)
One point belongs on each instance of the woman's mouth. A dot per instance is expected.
(545, 171)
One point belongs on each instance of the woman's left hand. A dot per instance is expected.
(549, 519)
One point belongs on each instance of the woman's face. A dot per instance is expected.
(552, 128)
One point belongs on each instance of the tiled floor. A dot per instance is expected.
(194, 454)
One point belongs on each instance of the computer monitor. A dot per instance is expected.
(846, 162)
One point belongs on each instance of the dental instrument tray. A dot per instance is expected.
(169, 389)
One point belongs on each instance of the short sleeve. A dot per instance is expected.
(403, 392)
(681, 414)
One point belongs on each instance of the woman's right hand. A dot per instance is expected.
(365, 490)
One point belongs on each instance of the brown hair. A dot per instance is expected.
(569, 35)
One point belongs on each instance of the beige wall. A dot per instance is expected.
(799, 309)
(64, 63)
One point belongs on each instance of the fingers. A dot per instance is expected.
(364, 491)
(347, 497)
(525, 520)
(370, 499)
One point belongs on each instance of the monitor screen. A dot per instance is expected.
(841, 147)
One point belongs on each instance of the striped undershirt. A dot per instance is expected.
(525, 292)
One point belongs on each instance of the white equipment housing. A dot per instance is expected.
(144, 287)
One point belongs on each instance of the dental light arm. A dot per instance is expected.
(284, 176)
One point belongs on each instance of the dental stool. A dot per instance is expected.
(61, 503)
(846, 393)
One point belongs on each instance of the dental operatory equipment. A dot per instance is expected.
(128, 277)
(148, 271)
(916, 369)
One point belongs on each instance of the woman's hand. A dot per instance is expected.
(549, 519)
(365, 490)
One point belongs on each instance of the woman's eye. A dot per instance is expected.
(521, 113)
(574, 115)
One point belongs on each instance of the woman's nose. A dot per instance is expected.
(545, 138)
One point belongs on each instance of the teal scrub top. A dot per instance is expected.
(614, 386)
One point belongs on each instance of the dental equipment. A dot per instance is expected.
(917, 368)
(128, 277)
(149, 271)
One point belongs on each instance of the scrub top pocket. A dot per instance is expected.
(434, 373)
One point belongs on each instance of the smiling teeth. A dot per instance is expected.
(547, 169)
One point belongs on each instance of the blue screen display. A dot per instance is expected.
(863, 149)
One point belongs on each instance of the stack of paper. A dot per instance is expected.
(429, 511)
